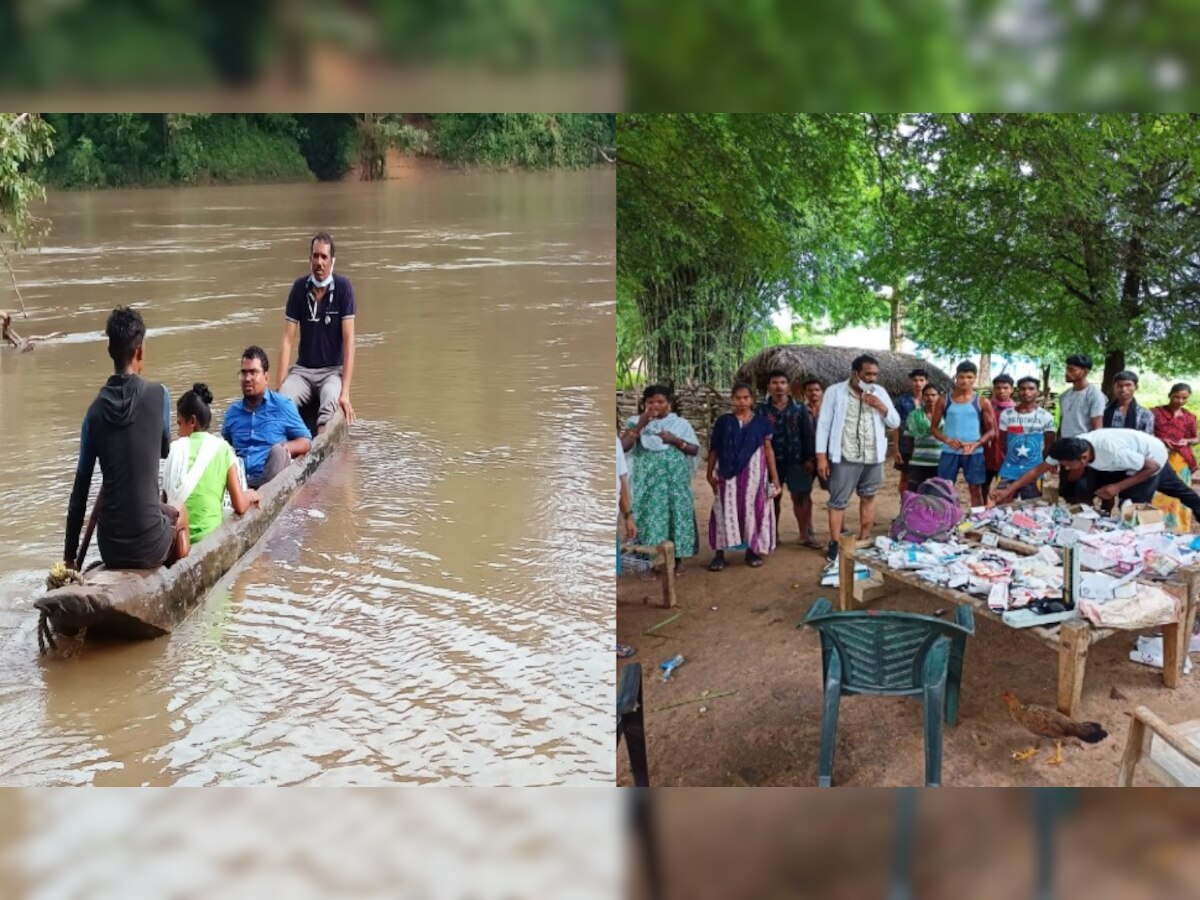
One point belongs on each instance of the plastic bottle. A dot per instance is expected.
(670, 666)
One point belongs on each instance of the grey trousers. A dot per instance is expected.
(277, 461)
(303, 383)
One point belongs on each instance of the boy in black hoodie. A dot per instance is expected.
(128, 428)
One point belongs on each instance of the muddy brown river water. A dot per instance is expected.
(437, 604)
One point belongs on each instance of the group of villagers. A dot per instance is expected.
(1104, 448)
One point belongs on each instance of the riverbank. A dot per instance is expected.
(131, 150)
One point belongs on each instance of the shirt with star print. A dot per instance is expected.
(1025, 434)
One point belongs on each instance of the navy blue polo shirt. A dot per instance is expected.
(320, 323)
(253, 434)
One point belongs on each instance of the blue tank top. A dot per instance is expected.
(962, 421)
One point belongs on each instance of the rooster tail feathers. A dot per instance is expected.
(1091, 732)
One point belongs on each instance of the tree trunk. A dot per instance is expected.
(1114, 362)
(985, 369)
(1046, 381)
(896, 329)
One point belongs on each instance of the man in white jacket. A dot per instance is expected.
(852, 444)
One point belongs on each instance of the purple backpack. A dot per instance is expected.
(931, 514)
(939, 487)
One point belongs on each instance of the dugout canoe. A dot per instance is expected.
(148, 603)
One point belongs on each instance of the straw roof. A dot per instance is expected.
(832, 364)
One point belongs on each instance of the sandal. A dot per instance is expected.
(753, 560)
(717, 564)
(812, 544)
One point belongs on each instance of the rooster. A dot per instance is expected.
(1049, 723)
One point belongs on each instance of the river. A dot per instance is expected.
(436, 605)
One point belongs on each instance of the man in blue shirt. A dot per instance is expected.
(264, 427)
(320, 309)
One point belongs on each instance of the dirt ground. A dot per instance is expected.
(1104, 845)
(738, 632)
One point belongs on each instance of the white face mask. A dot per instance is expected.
(328, 278)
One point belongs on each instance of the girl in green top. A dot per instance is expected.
(201, 467)
(927, 450)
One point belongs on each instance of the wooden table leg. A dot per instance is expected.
(1073, 641)
(1175, 636)
(847, 546)
(1172, 657)
(1189, 618)
(667, 550)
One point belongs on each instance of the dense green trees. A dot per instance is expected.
(24, 143)
(1029, 234)
(1049, 234)
(95, 150)
(720, 219)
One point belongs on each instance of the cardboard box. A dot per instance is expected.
(1082, 523)
(1148, 515)
(868, 590)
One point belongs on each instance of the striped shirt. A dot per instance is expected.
(927, 450)
(858, 437)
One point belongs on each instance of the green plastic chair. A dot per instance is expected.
(890, 654)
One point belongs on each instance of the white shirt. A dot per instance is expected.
(1122, 450)
(622, 469)
(831, 424)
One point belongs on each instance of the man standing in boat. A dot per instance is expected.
(264, 427)
(320, 307)
(128, 429)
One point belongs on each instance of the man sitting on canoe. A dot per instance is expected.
(264, 427)
(128, 428)
(321, 308)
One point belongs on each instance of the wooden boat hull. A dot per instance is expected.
(148, 603)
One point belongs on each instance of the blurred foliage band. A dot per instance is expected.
(186, 43)
(1032, 234)
(825, 55)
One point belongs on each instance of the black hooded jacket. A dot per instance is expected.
(127, 428)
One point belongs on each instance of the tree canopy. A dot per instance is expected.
(1051, 234)
(24, 143)
(1030, 234)
(721, 218)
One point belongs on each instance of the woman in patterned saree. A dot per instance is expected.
(663, 454)
(741, 470)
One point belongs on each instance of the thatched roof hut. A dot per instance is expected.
(832, 364)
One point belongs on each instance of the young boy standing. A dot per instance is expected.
(794, 445)
(813, 392)
(1082, 409)
(963, 423)
(1026, 433)
(1124, 411)
(993, 455)
(905, 404)
(926, 450)
(1083, 405)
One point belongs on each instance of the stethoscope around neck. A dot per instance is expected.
(314, 305)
